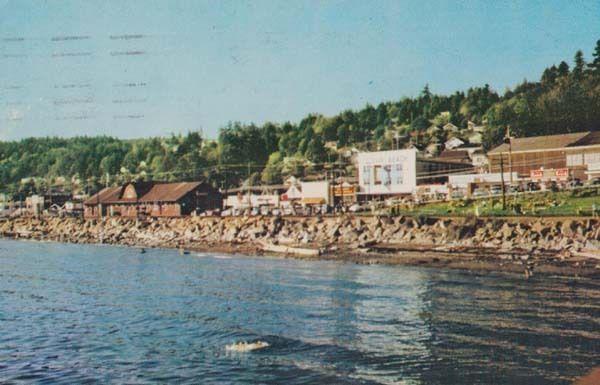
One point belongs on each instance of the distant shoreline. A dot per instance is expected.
(486, 245)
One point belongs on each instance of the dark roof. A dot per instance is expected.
(540, 143)
(457, 155)
(146, 192)
(169, 192)
(106, 194)
(591, 139)
(446, 161)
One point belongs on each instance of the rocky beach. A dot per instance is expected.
(557, 246)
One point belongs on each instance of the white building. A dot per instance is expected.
(315, 193)
(254, 196)
(399, 172)
(462, 181)
(387, 172)
(479, 159)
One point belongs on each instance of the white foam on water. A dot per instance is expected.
(242, 347)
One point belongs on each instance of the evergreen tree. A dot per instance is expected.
(595, 64)
(549, 76)
(563, 69)
(579, 65)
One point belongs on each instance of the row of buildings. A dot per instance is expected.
(380, 175)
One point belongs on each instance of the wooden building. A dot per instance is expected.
(576, 152)
(153, 199)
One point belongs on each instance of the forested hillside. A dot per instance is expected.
(565, 99)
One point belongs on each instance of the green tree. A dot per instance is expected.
(563, 69)
(595, 64)
(579, 65)
(272, 173)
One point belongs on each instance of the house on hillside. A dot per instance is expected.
(449, 127)
(474, 137)
(471, 126)
(155, 199)
(453, 143)
(433, 149)
(479, 160)
(433, 130)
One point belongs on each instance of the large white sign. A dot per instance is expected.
(387, 172)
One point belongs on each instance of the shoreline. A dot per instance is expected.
(429, 258)
(481, 245)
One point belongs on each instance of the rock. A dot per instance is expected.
(507, 231)
(568, 228)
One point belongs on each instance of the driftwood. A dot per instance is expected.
(282, 249)
(586, 253)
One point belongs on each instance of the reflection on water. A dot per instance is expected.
(111, 315)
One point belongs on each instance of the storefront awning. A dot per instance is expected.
(313, 201)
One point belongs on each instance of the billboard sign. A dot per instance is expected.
(562, 173)
(537, 174)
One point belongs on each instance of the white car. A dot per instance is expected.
(354, 208)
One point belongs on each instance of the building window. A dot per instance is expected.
(399, 175)
(377, 174)
(574, 160)
(366, 175)
(387, 177)
(593, 157)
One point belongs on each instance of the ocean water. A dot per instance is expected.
(98, 314)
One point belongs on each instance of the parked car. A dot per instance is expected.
(573, 183)
(532, 186)
(480, 193)
(552, 186)
(210, 213)
(355, 208)
(515, 189)
(496, 190)
(457, 194)
(593, 182)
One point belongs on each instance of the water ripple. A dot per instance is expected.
(87, 314)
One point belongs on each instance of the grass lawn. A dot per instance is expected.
(569, 203)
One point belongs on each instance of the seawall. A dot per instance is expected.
(554, 245)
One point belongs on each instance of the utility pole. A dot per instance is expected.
(509, 141)
(502, 181)
(249, 196)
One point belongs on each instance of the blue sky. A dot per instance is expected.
(179, 65)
